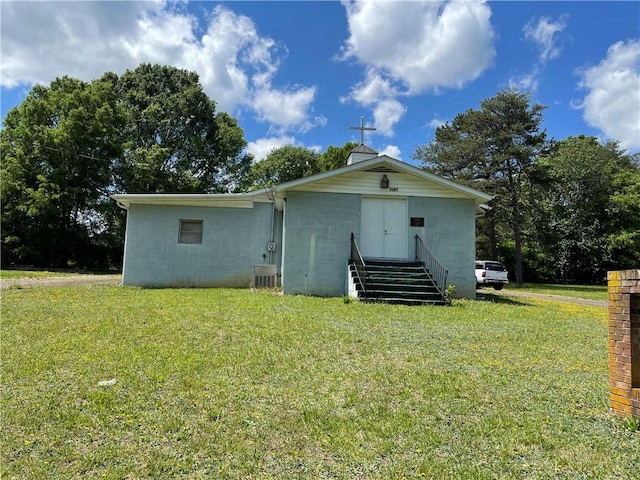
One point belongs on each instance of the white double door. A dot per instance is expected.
(383, 231)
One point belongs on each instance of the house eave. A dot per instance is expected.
(479, 197)
(230, 200)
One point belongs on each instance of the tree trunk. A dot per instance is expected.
(493, 241)
(517, 238)
(514, 185)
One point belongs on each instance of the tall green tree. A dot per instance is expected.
(591, 199)
(282, 165)
(288, 163)
(335, 157)
(494, 150)
(71, 144)
(174, 141)
(624, 239)
(58, 149)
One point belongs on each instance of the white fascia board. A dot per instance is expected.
(479, 196)
(232, 200)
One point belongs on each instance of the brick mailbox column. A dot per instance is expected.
(624, 342)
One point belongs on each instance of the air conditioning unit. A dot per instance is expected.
(265, 276)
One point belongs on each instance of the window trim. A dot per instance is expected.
(197, 233)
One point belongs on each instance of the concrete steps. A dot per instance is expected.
(405, 283)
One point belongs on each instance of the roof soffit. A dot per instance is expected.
(233, 200)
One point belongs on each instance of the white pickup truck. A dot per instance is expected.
(489, 272)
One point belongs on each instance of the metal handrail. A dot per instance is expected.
(435, 269)
(358, 261)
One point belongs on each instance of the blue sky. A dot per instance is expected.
(301, 73)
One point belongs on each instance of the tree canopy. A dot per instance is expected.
(58, 150)
(174, 141)
(590, 203)
(282, 165)
(564, 211)
(335, 157)
(71, 144)
(289, 162)
(492, 149)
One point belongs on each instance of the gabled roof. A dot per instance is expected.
(362, 148)
(387, 164)
(382, 164)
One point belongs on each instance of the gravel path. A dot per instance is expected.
(65, 281)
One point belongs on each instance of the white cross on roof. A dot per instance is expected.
(362, 128)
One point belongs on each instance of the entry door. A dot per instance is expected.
(384, 228)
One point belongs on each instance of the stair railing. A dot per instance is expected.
(358, 262)
(435, 269)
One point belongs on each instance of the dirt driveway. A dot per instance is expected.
(65, 281)
(557, 298)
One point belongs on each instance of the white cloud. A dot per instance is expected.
(543, 33)
(43, 40)
(435, 122)
(227, 57)
(284, 108)
(527, 82)
(386, 114)
(377, 93)
(263, 146)
(612, 103)
(372, 89)
(408, 48)
(423, 45)
(392, 151)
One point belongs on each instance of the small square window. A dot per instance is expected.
(190, 232)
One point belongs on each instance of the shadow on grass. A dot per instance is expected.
(493, 298)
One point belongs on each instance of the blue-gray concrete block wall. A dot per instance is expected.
(316, 248)
(234, 240)
(317, 243)
(449, 232)
(317, 240)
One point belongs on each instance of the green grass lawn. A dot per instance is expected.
(230, 384)
(588, 292)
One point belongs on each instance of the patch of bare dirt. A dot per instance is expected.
(66, 281)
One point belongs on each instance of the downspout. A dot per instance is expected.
(273, 222)
(284, 240)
